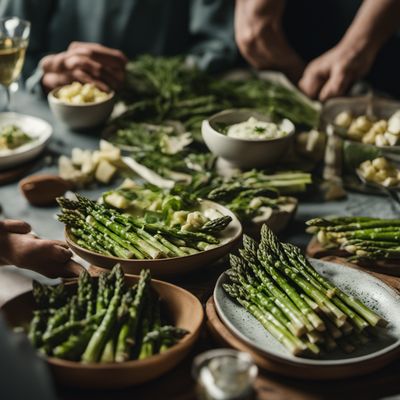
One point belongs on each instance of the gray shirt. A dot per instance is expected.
(203, 28)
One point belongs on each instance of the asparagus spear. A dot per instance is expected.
(97, 342)
(145, 327)
(266, 319)
(371, 317)
(75, 345)
(36, 327)
(216, 225)
(167, 335)
(126, 336)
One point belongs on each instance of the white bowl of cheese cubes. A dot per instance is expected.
(81, 106)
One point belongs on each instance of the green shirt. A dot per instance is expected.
(203, 28)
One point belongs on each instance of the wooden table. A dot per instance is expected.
(179, 385)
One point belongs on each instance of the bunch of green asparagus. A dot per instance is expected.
(107, 231)
(362, 237)
(247, 193)
(299, 307)
(103, 321)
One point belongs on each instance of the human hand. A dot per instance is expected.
(85, 63)
(261, 40)
(332, 73)
(51, 258)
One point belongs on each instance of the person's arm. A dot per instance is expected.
(261, 40)
(18, 247)
(332, 73)
(211, 28)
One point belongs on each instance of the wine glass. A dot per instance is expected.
(14, 37)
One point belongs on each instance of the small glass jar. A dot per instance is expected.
(224, 374)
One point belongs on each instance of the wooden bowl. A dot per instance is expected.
(183, 310)
(168, 267)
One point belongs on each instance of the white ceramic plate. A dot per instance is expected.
(373, 292)
(37, 128)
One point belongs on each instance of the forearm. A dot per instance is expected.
(374, 23)
(271, 11)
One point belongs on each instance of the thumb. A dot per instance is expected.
(14, 226)
(336, 85)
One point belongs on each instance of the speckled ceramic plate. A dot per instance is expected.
(367, 288)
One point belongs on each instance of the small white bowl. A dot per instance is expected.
(81, 116)
(245, 153)
(38, 129)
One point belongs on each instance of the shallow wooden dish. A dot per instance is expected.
(167, 267)
(183, 310)
(277, 220)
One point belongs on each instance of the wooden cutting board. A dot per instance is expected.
(225, 337)
(315, 250)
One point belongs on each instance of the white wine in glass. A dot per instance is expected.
(14, 36)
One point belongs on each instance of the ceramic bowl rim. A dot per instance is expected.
(208, 123)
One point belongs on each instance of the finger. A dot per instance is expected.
(336, 85)
(110, 58)
(51, 80)
(58, 243)
(99, 48)
(53, 62)
(113, 79)
(55, 252)
(15, 226)
(70, 269)
(311, 83)
(85, 63)
(65, 270)
(83, 77)
(61, 253)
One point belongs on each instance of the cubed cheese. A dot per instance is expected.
(105, 171)
(394, 123)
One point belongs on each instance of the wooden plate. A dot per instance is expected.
(168, 267)
(315, 250)
(184, 311)
(336, 364)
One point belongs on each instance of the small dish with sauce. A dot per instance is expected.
(247, 138)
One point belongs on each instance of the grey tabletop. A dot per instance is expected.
(43, 219)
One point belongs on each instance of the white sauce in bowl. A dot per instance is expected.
(253, 129)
